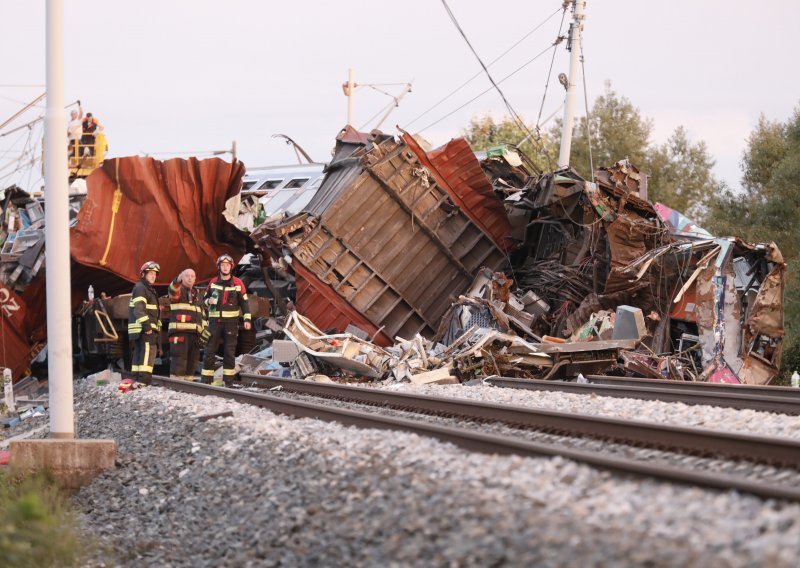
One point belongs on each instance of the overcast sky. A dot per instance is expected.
(190, 76)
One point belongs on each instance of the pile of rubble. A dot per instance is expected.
(460, 268)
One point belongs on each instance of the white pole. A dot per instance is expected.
(59, 336)
(574, 46)
(351, 87)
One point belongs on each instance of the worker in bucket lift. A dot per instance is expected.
(144, 323)
(226, 300)
(187, 326)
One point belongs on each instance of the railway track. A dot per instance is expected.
(728, 396)
(782, 452)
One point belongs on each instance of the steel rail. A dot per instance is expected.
(782, 451)
(766, 403)
(485, 443)
(782, 392)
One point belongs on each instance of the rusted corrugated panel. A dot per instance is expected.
(319, 303)
(169, 212)
(458, 171)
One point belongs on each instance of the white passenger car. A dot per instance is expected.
(283, 189)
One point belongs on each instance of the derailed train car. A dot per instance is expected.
(396, 235)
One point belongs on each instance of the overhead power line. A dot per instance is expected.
(478, 74)
(479, 95)
(511, 110)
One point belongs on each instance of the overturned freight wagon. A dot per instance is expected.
(392, 237)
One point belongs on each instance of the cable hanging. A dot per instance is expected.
(588, 122)
(476, 75)
(514, 115)
(517, 70)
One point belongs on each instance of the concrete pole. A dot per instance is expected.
(351, 87)
(59, 325)
(574, 47)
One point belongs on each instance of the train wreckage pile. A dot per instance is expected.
(449, 269)
(419, 264)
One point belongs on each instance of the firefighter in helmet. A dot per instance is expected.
(226, 300)
(144, 323)
(187, 326)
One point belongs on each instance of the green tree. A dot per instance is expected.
(618, 131)
(483, 133)
(767, 208)
(680, 175)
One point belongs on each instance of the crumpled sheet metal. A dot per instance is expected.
(458, 171)
(141, 209)
(15, 353)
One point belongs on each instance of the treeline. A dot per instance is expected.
(764, 209)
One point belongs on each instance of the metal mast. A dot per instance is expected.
(59, 326)
(574, 47)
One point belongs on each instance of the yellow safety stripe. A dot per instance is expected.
(247, 317)
(143, 366)
(228, 372)
(207, 372)
(236, 288)
(244, 296)
(134, 327)
(190, 307)
(224, 314)
(137, 299)
(134, 368)
(152, 306)
(183, 325)
(142, 319)
(145, 369)
(114, 209)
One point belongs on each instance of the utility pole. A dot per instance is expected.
(350, 91)
(574, 47)
(59, 328)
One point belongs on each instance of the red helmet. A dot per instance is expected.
(148, 266)
(225, 258)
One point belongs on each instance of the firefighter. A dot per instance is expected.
(144, 323)
(187, 326)
(226, 300)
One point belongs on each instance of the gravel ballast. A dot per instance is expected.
(260, 489)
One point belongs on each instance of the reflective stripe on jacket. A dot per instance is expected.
(143, 313)
(186, 313)
(227, 299)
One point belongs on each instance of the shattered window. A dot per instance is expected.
(270, 184)
(296, 182)
(247, 185)
(275, 204)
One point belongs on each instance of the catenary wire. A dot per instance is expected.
(514, 115)
(517, 70)
(588, 122)
(478, 74)
(550, 71)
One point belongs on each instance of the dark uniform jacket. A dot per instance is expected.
(227, 300)
(143, 314)
(186, 313)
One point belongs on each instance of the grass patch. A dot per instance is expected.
(38, 525)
